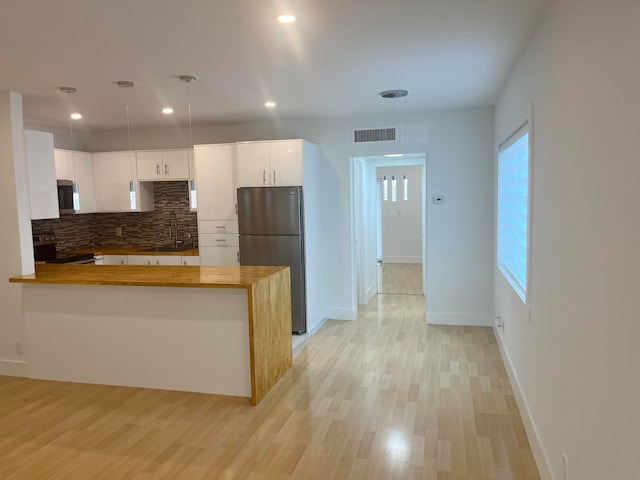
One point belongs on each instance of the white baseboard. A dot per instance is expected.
(460, 319)
(539, 453)
(342, 313)
(14, 368)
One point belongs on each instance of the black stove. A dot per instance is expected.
(44, 250)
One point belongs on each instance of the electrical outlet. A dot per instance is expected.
(500, 323)
(118, 231)
(565, 466)
(19, 347)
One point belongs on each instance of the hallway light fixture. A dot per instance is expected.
(395, 94)
(133, 201)
(193, 193)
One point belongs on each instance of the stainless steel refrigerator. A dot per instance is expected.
(271, 226)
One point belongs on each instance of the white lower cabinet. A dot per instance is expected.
(152, 260)
(193, 260)
(219, 255)
(115, 260)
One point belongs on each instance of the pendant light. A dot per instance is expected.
(193, 195)
(132, 184)
(73, 116)
(394, 94)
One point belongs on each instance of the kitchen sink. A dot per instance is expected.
(167, 248)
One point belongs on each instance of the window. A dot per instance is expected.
(513, 210)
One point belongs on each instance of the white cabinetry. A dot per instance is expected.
(115, 260)
(191, 260)
(112, 173)
(270, 164)
(43, 189)
(153, 260)
(77, 167)
(163, 165)
(217, 213)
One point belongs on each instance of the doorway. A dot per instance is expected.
(389, 247)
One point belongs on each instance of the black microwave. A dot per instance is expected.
(66, 197)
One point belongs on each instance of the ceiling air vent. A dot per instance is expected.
(374, 135)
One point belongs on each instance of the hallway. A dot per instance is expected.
(382, 397)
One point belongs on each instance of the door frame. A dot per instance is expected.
(364, 262)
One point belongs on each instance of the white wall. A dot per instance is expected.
(17, 249)
(576, 361)
(460, 151)
(402, 219)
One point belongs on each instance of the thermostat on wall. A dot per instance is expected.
(438, 199)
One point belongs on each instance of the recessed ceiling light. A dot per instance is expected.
(287, 18)
(167, 110)
(391, 155)
(76, 116)
(270, 104)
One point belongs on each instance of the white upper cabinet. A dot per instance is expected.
(43, 189)
(77, 167)
(215, 180)
(163, 165)
(112, 173)
(270, 164)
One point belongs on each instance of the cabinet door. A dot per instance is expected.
(167, 259)
(112, 172)
(83, 168)
(175, 164)
(149, 165)
(63, 170)
(253, 164)
(43, 189)
(141, 260)
(285, 163)
(219, 256)
(191, 260)
(115, 260)
(215, 180)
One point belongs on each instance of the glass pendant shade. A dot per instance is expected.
(405, 187)
(385, 188)
(194, 194)
(394, 189)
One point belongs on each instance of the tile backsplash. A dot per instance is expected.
(138, 228)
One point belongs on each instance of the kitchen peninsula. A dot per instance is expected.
(222, 330)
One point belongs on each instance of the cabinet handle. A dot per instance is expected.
(236, 208)
(157, 169)
(264, 177)
(274, 176)
(238, 256)
(223, 240)
(222, 227)
(166, 169)
(149, 262)
(184, 262)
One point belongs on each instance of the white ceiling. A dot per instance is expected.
(332, 62)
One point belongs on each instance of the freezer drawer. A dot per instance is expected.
(280, 250)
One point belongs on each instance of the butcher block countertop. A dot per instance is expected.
(155, 276)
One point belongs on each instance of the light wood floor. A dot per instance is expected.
(382, 397)
(400, 278)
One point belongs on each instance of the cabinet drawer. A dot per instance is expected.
(219, 240)
(218, 226)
